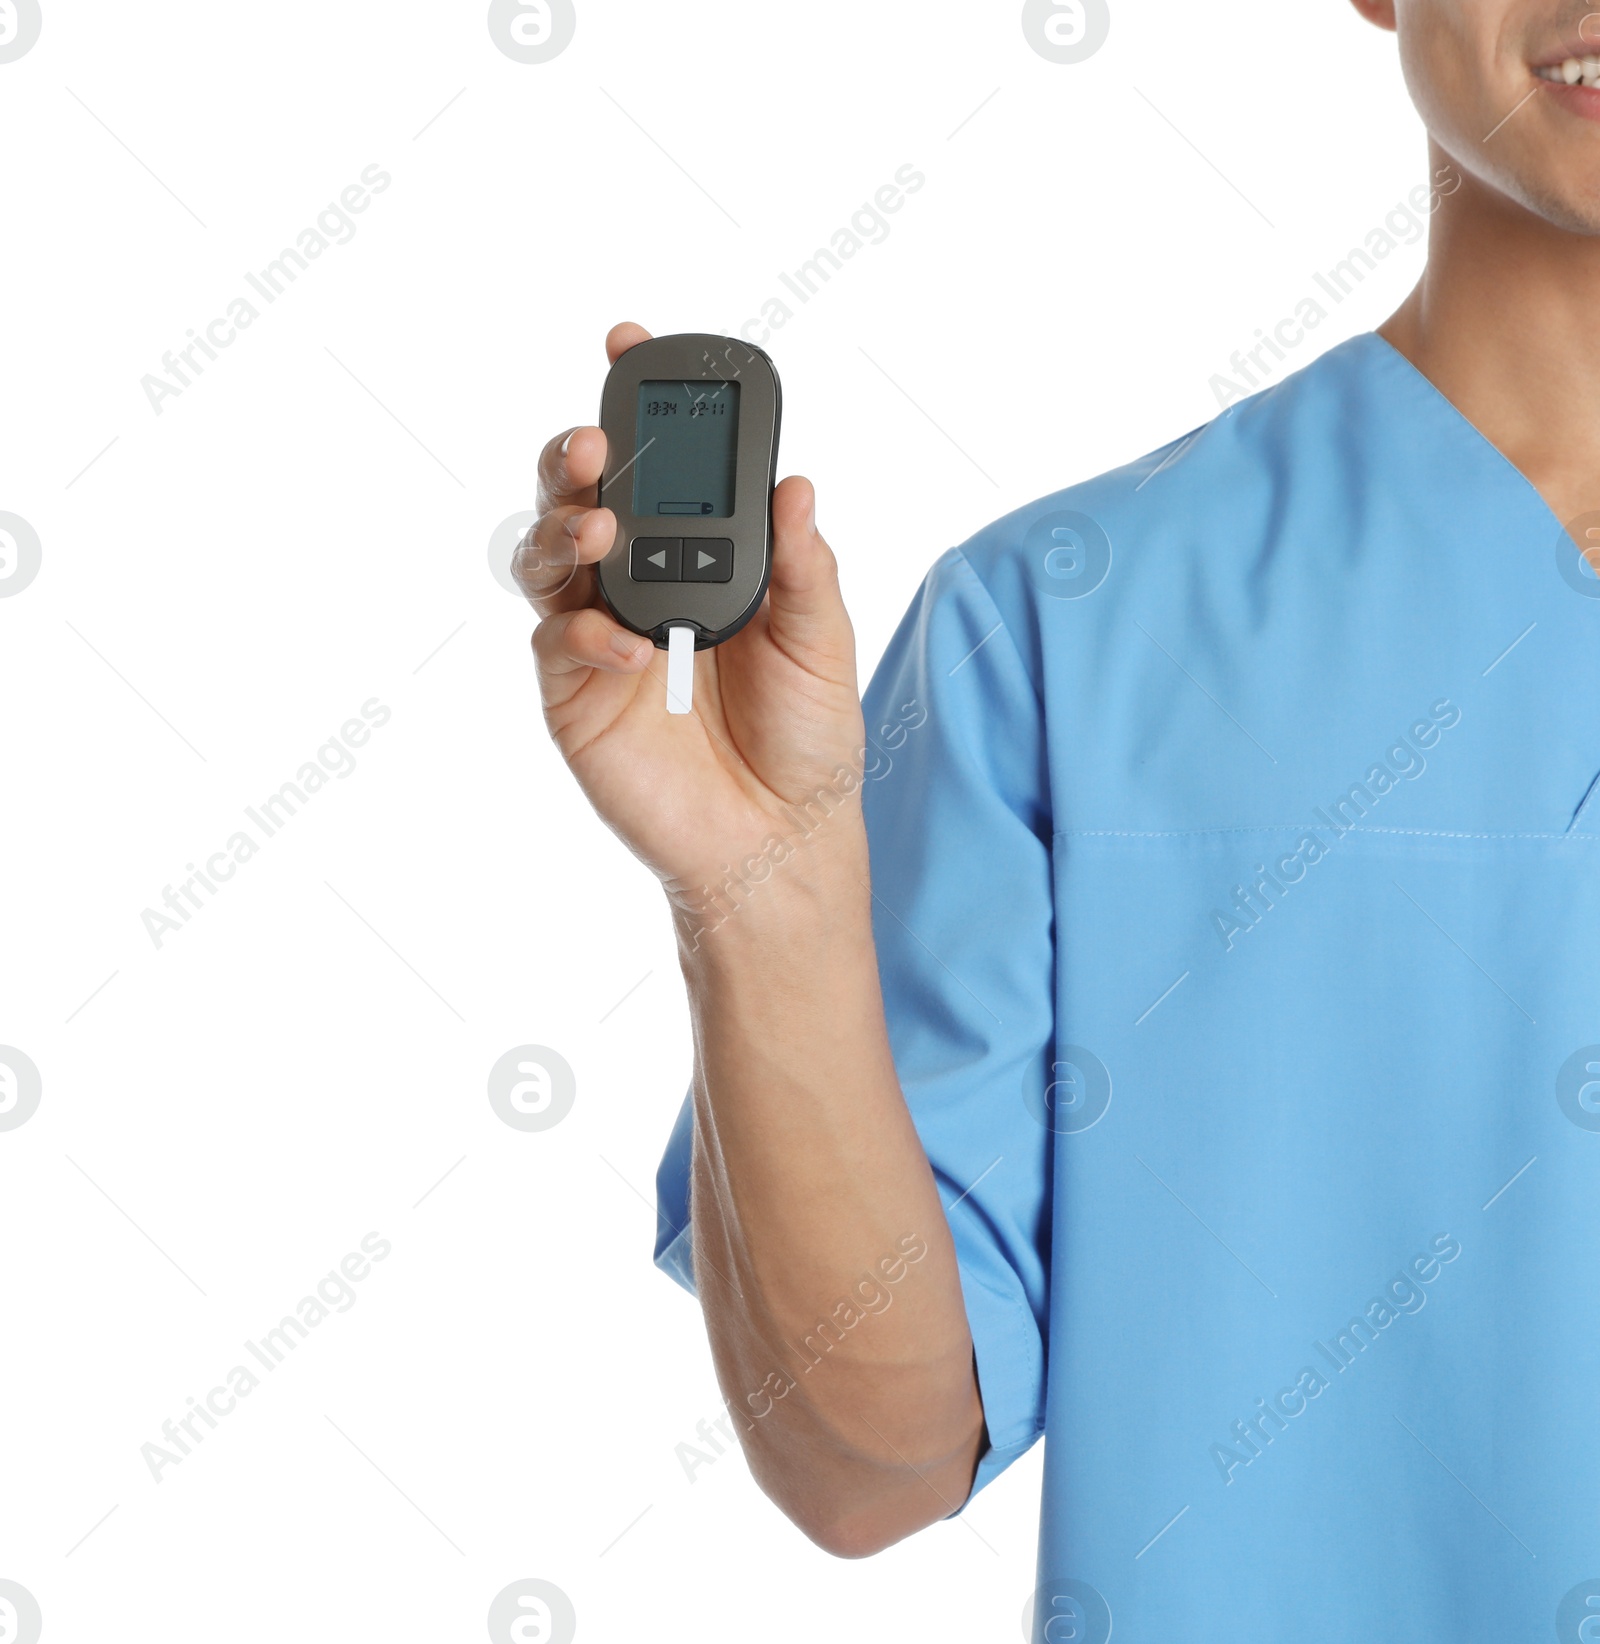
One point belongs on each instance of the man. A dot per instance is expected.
(1206, 1072)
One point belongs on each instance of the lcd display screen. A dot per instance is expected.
(687, 434)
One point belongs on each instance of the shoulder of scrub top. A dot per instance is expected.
(1193, 520)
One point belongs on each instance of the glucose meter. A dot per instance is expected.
(691, 426)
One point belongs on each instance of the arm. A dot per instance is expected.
(809, 1181)
(808, 1176)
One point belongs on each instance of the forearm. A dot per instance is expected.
(822, 1256)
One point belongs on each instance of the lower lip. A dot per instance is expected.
(1584, 101)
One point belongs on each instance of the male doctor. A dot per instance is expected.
(1179, 1031)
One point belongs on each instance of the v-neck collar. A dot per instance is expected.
(1381, 349)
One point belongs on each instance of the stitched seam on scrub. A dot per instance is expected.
(1309, 827)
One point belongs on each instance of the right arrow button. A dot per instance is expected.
(707, 559)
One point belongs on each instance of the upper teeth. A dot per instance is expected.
(1586, 69)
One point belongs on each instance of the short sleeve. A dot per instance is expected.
(956, 799)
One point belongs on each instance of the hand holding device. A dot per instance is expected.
(776, 713)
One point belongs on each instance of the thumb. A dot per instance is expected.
(806, 606)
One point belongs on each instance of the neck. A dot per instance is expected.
(1506, 324)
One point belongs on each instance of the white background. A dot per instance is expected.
(226, 583)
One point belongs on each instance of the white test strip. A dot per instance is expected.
(680, 668)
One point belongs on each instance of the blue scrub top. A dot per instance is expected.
(1236, 843)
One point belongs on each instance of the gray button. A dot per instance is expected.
(656, 559)
(707, 559)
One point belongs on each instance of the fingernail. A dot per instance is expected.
(575, 522)
(626, 645)
(566, 442)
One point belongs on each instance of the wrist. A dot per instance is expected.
(796, 887)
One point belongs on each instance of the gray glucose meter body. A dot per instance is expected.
(691, 425)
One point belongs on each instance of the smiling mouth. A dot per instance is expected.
(1573, 71)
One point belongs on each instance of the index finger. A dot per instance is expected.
(571, 464)
(569, 469)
